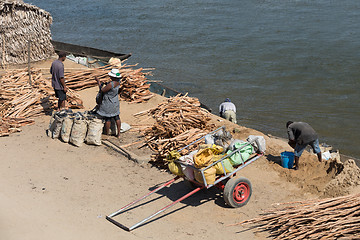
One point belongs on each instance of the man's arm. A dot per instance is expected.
(220, 110)
(62, 80)
(290, 133)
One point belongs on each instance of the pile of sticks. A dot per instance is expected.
(332, 218)
(8, 126)
(133, 87)
(179, 121)
(20, 101)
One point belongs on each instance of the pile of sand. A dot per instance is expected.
(328, 179)
(347, 178)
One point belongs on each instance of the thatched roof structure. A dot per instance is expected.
(19, 23)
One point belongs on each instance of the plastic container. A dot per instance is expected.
(287, 159)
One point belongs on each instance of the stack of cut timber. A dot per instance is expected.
(20, 101)
(333, 218)
(133, 87)
(179, 121)
(12, 125)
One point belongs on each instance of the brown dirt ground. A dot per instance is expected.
(53, 190)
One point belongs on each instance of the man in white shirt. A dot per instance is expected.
(227, 110)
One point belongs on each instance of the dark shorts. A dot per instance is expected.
(108, 119)
(60, 94)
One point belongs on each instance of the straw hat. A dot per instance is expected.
(115, 73)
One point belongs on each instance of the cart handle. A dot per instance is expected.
(138, 200)
(110, 217)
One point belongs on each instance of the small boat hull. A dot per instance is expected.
(83, 51)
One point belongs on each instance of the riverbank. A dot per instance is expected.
(54, 190)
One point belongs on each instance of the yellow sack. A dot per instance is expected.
(203, 158)
(216, 149)
(175, 168)
(209, 174)
(227, 164)
(173, 155)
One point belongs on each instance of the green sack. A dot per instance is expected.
(227, 164)
(242, 155)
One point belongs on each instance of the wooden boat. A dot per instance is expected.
(83, 51)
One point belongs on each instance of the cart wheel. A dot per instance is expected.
(237, 192)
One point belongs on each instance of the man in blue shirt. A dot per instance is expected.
(58, 80)
(300, 135)
(227, 110)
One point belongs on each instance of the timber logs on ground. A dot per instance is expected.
(133, 87)
(332, 218)
(179, 121)
(20, 101)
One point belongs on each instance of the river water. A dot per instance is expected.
(277, 60)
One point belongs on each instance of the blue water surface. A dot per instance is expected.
(277, 60)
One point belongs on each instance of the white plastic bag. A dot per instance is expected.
(113, 128)
(188, 159)
(261, 140)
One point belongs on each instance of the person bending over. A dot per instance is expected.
(227, 110)
(300, 135)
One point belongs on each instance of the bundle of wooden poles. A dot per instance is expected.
(133, 87)
(179, 121)
(332, 218)
(21, 100)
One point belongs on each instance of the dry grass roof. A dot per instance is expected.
(19, 23)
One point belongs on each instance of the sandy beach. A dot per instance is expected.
(54, 190)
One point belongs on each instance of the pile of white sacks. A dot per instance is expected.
(77, 128)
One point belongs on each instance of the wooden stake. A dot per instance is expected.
(3, 49)
(29, 71)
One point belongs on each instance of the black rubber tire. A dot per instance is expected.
(237, 192)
